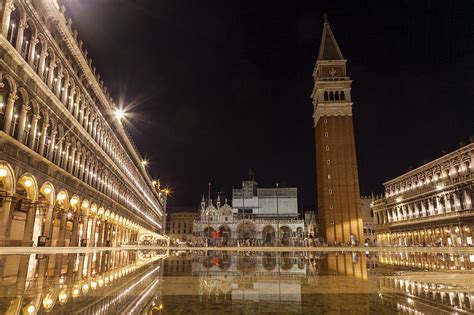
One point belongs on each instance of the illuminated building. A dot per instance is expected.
(340, 218)
(265, 216)
(179, 225)
(430, 205)
(69, 171)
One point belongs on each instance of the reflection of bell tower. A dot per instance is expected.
(340, 215)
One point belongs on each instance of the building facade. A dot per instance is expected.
(254, 218)
(179, 226)
(70, 174)
(430, 205)
(366, 203)
(340, 216)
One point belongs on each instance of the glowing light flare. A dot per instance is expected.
(120, 114)
(3, 172)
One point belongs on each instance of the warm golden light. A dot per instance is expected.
(28, 183)
(61, 196)
(3, 172)
(47, 190)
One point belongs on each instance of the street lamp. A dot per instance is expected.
(278, 218)
(120, 114)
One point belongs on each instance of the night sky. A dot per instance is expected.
(215, 88)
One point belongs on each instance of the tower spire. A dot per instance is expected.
(329, 49)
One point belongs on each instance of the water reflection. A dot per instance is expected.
(91, 283)
(213, 282)
(252, 282)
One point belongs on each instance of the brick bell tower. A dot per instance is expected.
(339, 208)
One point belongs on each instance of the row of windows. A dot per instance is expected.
(334, 96)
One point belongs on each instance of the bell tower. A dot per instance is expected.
(339, 208)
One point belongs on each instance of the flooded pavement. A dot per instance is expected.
(216, 282)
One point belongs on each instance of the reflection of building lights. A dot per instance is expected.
(75, 293)
(62, 297)
(47, 303)
(85, 288)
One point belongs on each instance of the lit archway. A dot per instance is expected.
(7, 189)
(24, 208)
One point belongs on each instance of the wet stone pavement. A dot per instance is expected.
(237, 282)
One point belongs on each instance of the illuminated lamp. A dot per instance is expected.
(28, 183)
(3, 172)
(47, 190)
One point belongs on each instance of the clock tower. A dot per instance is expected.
(339, 209)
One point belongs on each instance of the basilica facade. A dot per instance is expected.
(70, 174)
(254, 219)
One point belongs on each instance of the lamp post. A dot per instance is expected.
(278, 218)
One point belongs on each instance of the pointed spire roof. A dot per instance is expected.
(329, 49)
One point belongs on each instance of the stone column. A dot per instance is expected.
(62, 229)
(71, 161)
(57, 159)
(49, 81)
(64, 92)
(447, 203)
(84, 226)
(52, 144)
(75, 230)
(19, 38)
(8, 9)
(57, 85)
(9, 112)
(48, 224)
(5, 221)
(467, 200)
(32, 55)
(65, 158)
(101, 233)
(42, 65)
(70, 105)
(22, 122)
(32, 135)
(91, 241)
(29, 225)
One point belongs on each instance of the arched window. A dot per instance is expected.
(13, 27)
(26, 44)
(331, 96)
(336, 95)
(326, 97)
(343, 96)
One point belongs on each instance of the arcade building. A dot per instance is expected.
(430, 205)
(70, 173)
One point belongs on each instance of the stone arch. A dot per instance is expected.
(285, 235)
(268, 234)
(7, 178)
(75, 203)
(246, 229)
(93, 209)
(48, 193)
(85, 207)
(27, 187)
(101, 212)
(15, 18)
(62, 199)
